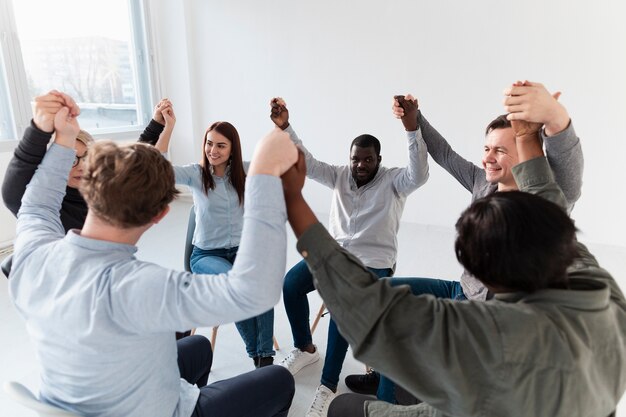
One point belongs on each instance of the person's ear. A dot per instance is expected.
(162, 214)
(380, 158)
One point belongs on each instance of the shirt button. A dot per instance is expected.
(305, 254)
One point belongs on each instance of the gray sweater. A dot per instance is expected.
(564, 155)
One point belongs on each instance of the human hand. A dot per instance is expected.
(293, 178)
(532, 102)
(66, 128)
(274, 154)
(167, 113)
(158, 110)
(405, 108)
(46, 107)
(279, 113)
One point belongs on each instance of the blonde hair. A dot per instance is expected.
(127, 185)
(85, 138)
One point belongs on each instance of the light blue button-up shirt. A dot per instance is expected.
(103, 322)
(219, 217)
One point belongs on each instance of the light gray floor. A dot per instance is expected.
(424, 251)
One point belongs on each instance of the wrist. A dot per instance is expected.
(42, 126)
(554, 127)
(284, 126)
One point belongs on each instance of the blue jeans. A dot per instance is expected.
(437, 287)
(256, 332)
(298, 283)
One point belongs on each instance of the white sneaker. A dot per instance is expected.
(321, 402)
(298, 359)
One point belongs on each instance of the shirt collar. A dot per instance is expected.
(74, 238)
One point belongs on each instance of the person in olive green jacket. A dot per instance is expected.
(551, 343)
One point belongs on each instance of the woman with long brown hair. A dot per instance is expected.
(217, 185)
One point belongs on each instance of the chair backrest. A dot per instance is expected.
(22, 395)
(6, 265)
(191, 227)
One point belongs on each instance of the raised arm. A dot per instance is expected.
(321, 172)
(464, 171)
(415, 174)
(152, 132)
(253, 285)
(38, 219)
(531, 101)
(167, 112)
(30, 150)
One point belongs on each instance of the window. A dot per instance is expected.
(96, 51)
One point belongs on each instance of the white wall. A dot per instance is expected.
(338, 65)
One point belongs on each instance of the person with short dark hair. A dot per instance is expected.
(368, 200)
(103, 321)
(552, 342)
(564, 154)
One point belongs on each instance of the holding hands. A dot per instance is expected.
(531, 102)
(48, 105)
(279, 113)
(161, 106)
(274, 154)
(405, 108)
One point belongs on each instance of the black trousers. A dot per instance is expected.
(264, 392)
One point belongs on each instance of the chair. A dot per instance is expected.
(191, 226)
(320, 314)
(22, 395)
(6, 265)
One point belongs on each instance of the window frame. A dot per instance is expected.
(144, 73)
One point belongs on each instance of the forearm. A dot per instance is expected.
(535, 176)
(528, 147)
(565, 155)
(163, 144)
(416, 172)
(27, 157)
(442, 153)
(43, 197)
(299, 213)
(151, 132)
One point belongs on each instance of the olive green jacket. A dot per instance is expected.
(550, 353)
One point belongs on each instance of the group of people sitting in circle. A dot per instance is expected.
(534, 326)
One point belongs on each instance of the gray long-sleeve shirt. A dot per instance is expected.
(563, 152)
(365, 220)
(555, 352)
(103, 322)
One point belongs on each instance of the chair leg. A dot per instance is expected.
(276, 347)
(213, 337)
(317, 318)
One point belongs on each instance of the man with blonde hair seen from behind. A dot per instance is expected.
(120, 358)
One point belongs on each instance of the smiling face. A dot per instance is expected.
(499, 157)
(364, 164)
(218, 150)
(76, 173)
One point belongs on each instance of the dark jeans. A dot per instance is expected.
(257, 332)
(264, 392)
(298, 283)
(440, 289)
